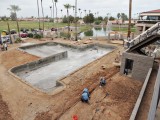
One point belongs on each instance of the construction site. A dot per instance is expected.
(44, 79)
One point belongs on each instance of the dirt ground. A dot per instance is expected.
(115, 101)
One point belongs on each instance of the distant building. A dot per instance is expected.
(147, 19)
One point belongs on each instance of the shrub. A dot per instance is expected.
(65, 35)
(97, 22)
(37, 36)
(18, 40)
(30, 35)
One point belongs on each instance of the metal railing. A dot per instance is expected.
(148, 21)
(154, 30)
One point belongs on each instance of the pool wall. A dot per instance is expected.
(56, 57)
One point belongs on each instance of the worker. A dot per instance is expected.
(85, 95)
(102, 81)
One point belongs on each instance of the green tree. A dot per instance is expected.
(62, 13)
(13, 16)
(68, 6)
(88, 33)
(85, 12)
(100, 18)
(79, 13)
(4, 18)
(65, 19)
(71, 19)
(118, 15)
(89, 18)
(124, 17)
(111, 18)
(14, 9)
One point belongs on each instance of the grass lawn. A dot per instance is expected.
(133, 29)
(35, 25)
(29, 24)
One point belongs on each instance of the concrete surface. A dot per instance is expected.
(45, 77)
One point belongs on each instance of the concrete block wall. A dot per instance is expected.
(141, 65)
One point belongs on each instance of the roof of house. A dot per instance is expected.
(153, 11)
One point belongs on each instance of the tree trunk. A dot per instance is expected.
(9, 32)
(38, 15)
(42, 14)
(56, 12)
(75, 20)
(68, 23)
(17, 26)
(129, 25)
(53, 11)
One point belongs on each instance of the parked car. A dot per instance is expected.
(24, 30)
(23, 35)
(13, 31)
(4, 32)
(53, 29)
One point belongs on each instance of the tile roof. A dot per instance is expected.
(153, 11)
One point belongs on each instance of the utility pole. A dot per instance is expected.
(75, 20)
(38, 14)
(53, 11)
(129, 25)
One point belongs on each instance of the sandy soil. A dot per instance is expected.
(26, 103)
(4, 111)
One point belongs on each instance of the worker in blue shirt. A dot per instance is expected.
(85, 95)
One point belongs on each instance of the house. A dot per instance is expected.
(147, 19)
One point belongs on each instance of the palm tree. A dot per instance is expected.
(62, 13)
(73, 8)
(53, 10)
(85, 12)
(79, 12)
(15, 9)
(42, 14)
(68, 6)
(56, 8)
(38, 14)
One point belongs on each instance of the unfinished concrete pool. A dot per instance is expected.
(57, 61)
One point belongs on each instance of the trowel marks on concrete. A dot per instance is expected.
(45, 77)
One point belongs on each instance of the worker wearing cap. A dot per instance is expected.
(85, 95)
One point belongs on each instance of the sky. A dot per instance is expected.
(29, 7)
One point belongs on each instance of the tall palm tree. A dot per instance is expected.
(15, 9)
(53, 10)
(85, 12)
(38, 14)
(68, 6)
(56, 8)
(73, 8)
(79, 12)
(62, 13)
(42, 14)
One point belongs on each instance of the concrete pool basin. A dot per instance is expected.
(57, 61)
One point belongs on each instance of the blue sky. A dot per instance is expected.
(29, 7)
